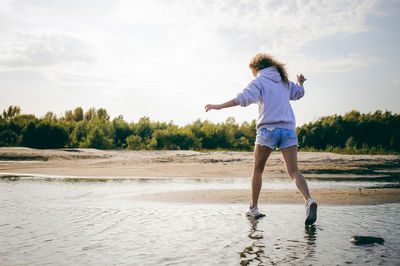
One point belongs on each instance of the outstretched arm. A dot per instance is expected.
(227, 104)
(297, 90)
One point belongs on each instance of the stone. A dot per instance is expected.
(366, 240)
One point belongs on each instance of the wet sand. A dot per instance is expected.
(322, 196)
(92, 163)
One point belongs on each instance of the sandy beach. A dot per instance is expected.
(92, 163)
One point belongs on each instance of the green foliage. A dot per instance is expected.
(79, 133)
(90, 114)
(69, 116)
(134, 142)
(50, 116)
(143, 128)
(122, 131)
(228, 135)
(96, 138)
(10, 113)
(242, 144)
(174, 138)
(350, 143)
(78, 114)
(96, 133)
(102, 114)
(355, 133)
(8, 138)
(43, 134)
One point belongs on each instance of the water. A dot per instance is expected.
(159, 184)
(80, 222)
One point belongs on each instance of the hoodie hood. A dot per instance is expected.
(270, 73)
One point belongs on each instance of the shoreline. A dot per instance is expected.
(312, 177)
(351, 196)
(123, 163)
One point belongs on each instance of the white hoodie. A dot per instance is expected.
(272, 96)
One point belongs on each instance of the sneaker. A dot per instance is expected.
(311, 212)
(253, 212)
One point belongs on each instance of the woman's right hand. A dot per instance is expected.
(209, 107)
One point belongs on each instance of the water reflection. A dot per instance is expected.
(277, 251)
(310, 237)
(254, 252)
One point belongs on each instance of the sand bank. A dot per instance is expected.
(322, 196)
(95, 163)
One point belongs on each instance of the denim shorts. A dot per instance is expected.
(276, 137)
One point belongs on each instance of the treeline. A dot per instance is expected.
(372, 133)
(352, 133)
(94, 129)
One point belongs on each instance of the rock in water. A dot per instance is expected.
(366, 240)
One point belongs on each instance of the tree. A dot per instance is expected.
(96, 133)
(122, 131)
(243, 144)
(90, 114)
(69, 116)
(10, 113)
(351, 144)
(134, 142)
(78, 114)
(79, 133)
(102, 114)
(8, 138)
(50, 116)
(97, 139)
(143, 128)
(44, 134)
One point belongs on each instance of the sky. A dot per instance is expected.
(168, 59)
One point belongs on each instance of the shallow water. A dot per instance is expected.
(159, 184)
(80, 222)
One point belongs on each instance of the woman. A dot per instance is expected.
(276, 124)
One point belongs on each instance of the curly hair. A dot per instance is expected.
(261, 61)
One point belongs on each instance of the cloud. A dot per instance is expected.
(61, 56)
(176, 39)
(396, 80)
(339, 65)
(314, 64)
(6, 7)
(216, 34)
(240, 25)
(42, 49)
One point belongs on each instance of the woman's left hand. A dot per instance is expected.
(301, 79)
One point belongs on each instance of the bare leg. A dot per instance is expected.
(261, 154)
(290, 157)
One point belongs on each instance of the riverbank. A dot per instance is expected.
(123, 163)
(92, 164)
